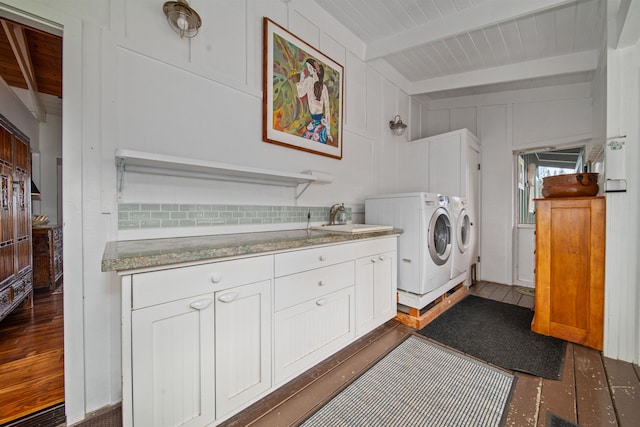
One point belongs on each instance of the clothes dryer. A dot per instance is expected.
(425, 245)
(462, 238)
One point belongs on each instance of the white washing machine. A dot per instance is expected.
(425, 245)
(462, 238)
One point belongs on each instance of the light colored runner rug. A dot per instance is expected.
(420, 383)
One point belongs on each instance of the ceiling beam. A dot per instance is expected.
(18, 42)
(470, 19)
(545, 67)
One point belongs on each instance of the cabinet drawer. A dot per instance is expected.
(169, 285)
(309, 332)
(6, 298)
(21, 287)
(308, 259)
(377, 246)
(296, 288)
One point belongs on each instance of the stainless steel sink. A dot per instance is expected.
(354, 228)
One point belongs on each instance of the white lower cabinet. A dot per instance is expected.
(243, 345)
(172, 363)
(375, 290)
(202, 342)
(311, 331)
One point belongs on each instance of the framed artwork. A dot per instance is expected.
(303, 94)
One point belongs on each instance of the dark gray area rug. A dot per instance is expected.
(500, 334)
(420, 383)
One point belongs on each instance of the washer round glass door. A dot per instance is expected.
(463, 231)
(440, 236)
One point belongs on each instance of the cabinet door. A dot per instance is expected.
(385, 287)
(309, 332)
(243, 345)
(570, 235)
(376, 286)
(172, 361)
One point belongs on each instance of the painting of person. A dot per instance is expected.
(311, 86)
(302, 95)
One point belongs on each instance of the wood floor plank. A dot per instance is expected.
(32, 358)
(500, 292)
(523, 407)
(512, 297)
(593, 397)
(526, 301)
(625, 389)
(558, 396)
(485, 289)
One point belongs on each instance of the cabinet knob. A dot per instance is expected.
(373, 260)
(321, 302)
(201, 304)
(228, 297)
(381, 258)
(216, 277)
(321, 283)
(322, 258)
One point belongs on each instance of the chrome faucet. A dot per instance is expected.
(333, 211)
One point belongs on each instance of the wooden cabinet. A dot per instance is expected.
(570, 251)
(47, 256)
(15, 219)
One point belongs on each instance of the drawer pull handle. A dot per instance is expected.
(321, 283)
(321, 302)
(228, 297)
(216, 277)
(322, 258)
(201, 304)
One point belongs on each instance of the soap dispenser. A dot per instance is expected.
(341, 215)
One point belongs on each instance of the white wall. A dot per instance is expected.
(131, 82)
(15, 111)
(622, 271)
(50, 151)
(506, 122)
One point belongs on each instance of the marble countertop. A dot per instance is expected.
(135, 254)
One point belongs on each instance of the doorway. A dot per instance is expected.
(31, 339)
(531, 168)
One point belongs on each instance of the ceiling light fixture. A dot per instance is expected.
(182, 18)
(396, 126)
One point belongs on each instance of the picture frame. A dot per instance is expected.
(303, 94)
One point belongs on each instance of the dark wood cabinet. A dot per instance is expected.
(570, 244)
(47, 256)
(15, 219)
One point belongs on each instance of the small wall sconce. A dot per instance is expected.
(182, 18)
(396, 126)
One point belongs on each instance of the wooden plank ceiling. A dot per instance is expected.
(443, 47)
(43, 58)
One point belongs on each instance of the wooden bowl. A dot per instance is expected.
(570, 185)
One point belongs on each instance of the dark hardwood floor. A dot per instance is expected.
(32, 357)
(594, 390)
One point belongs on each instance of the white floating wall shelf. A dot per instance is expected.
(160, 164)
